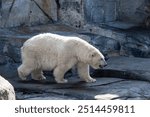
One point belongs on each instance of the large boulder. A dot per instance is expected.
(6, 90)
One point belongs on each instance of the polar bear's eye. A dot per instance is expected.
(94, 54)
(102, 59)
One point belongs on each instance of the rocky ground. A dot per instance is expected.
(120, 84)
(124, 77)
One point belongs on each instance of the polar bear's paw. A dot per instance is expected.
(90, 80)
(42, 77)
(23, 78)
(61, 81)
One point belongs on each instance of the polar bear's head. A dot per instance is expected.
(97, 59)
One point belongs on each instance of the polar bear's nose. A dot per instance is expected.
(101, 66)
(105, 65)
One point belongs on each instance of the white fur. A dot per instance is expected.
(59, 53)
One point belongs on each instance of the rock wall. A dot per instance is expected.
(27, 12)
(75, 13)
(32, 12)
(100, 11)
(71, 12)
(132, 11)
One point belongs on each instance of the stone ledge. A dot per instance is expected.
(106, 87)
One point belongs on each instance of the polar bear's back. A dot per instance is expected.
(53, 41)
(46, 40)
(46, 50)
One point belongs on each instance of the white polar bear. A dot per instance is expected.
(59, 53)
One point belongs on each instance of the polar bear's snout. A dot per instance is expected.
(103, 63)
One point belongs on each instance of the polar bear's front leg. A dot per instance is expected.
(83, 71)
(38, 75)
(59, 72)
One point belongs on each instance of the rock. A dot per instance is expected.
(106, 32)
(41, 96)
(106, 96)
(71, 12)
(13, 52)
(48, 7)
(11, 67)
(2, 44)
(105, 88)
(122, 91)
(128, 67)
(105, 8)
(122, 25)
(130, 11)
(132, 42)
(107, 45)
(3, 60)
(109, 85)
(136, 49)
(6, 90)
(33, 12)
(41, 12)
(75, 13)
(137, 44)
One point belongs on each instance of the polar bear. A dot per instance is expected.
(58, 53)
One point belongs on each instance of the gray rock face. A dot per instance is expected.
(104, 89)
(27, 12)
(71, 12)
(6, 90)
(137, 45)
(131, 11)
(74, 13)
(3, 60)
(132, 42)
(107, 45)
(100, 11)
(13, 52)
(31, 12)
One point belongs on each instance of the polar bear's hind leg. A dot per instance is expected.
(24, 71)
